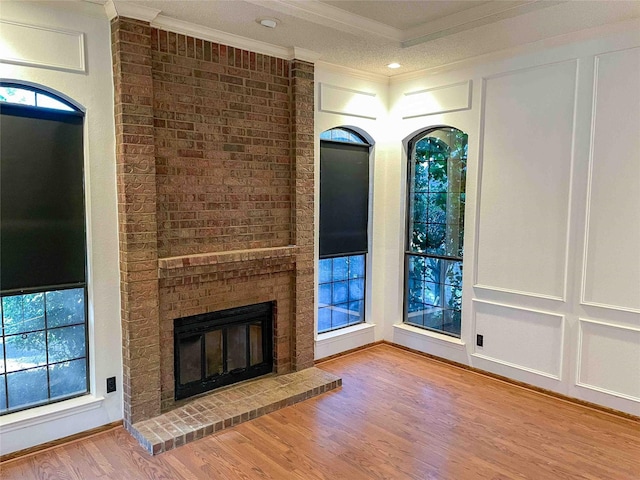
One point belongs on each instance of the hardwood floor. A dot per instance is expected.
(397, 416)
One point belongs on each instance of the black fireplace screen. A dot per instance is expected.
(221, 348)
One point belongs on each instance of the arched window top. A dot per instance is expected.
(33, 97)
(441, 143)
(344, 135)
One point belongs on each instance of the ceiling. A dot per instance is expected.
(368, 35)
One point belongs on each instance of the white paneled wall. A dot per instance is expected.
(552, 234)
(608, 359)
(508, 332)
(525, 165)
(612, 268)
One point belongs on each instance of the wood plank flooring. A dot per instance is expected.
(397, 416)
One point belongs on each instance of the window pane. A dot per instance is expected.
(341, 298)
(27, 387)
(68, 378)
(324, 294)
(431, 294)
(339, 316)
(356, 312)
(65, 307)
(66, 343)
(25, 350)
(324, 320)
(356, 266)
(49, 102)
(325, 268)
(452, 322)
(433, 319)
(453, 274)
(17, 95)
(438, 179)
(340, 292)
(340, 268)
(356, 289)
(23, 313)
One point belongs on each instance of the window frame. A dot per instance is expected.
(363, 142)
(407, 253)
(45, 112)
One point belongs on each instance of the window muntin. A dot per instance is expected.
(44, 337)
(435, 230)
(341, 292)
(44, 348)
(343, 237)
(32, 97)
(343, 135)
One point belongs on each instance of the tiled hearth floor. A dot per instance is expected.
(230, 406)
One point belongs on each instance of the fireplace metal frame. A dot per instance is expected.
(223, 319)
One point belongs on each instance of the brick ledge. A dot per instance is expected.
(230, 406)
(231, 256)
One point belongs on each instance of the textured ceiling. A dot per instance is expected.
(403, 14)
(367, 35)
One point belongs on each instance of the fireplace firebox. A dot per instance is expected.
(220, 348)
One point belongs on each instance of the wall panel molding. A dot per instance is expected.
(513, 219)
(518, 292)
(519, 319)
(443, 99)
(619, 365)
(610, 272)
(347, 101)
(42, 47)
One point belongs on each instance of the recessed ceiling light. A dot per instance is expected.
(394, 65)
(268, 22)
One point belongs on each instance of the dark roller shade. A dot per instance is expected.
(344, 198)
(42, 227)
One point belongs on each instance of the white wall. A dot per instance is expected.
(80, 69)
(349, 99)
(552, 264)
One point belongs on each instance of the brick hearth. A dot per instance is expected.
(230, 406)
(214, 151)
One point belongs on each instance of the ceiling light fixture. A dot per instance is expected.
(394, 65)
(268, 22)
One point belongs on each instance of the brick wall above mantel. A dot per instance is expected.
(215, 185)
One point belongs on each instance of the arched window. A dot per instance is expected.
(344, 217)
(435, 230)
(42, 249)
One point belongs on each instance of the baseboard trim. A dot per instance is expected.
(60, 441)
(347, 352)
(542, 391)
(517, 383)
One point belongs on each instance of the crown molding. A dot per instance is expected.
(124, 9)
(170, 24)
(353, 73)
(474, 17)
(333, 17)
(303, 54)
(630, 25)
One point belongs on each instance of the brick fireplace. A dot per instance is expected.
(215, 198)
